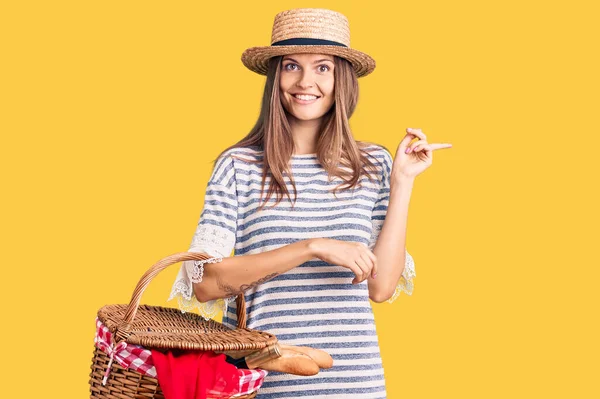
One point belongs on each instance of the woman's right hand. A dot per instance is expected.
(352, 255)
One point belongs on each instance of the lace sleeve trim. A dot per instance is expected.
(198, 269)
(406, 280)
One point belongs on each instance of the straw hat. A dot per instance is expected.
(309, 30)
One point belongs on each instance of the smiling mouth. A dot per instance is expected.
(303, 98)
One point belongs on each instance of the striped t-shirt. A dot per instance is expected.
(314, 304)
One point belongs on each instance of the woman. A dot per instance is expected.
(308, 266)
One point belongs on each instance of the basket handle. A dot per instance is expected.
(123, 329)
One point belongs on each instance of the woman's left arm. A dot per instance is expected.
(390, 247)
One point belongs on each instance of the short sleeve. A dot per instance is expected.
(378, 217)
(215, 235)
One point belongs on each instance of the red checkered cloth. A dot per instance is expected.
(138, 358)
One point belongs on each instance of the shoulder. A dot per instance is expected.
(381, 157)
(232, 161)
(233, 157)
(378, 153)
(241, 154)
(224, 167)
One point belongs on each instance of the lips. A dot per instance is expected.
(304, 98)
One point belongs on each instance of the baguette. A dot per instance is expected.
(291, 362)
(322, 358)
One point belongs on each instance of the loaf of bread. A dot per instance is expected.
(291, 362)
(299, 360)
(322, 358)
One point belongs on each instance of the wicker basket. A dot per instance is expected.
(165, 328)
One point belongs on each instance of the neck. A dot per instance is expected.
(305, 134)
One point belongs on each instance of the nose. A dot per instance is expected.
(306, 79)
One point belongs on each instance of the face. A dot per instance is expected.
(306, 85)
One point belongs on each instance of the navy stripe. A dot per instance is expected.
(306, 200)
(306, 41)
(289, 229)
(342, 194)
(311, 323)
(215, 190)
(327, 334)
(312, 381)
(299, 183)
(305, 312)
(303, 300)
(304, 218)
(319, 287)
(314, 393)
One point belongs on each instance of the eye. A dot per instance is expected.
(324, 65)
(287, 65)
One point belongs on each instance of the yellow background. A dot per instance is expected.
(112, 113)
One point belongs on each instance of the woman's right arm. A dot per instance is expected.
(236, 274)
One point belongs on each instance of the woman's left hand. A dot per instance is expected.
(409, 164)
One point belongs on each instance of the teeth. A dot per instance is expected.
(305, 97)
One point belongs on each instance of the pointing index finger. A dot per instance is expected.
(437, 146)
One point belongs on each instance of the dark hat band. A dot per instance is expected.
(306, 41)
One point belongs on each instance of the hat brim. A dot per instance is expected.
(257, 58)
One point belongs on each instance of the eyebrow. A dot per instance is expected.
(321, 60)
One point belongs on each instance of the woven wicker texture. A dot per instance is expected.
(158, 327)
(315, 23)
(163, 328)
